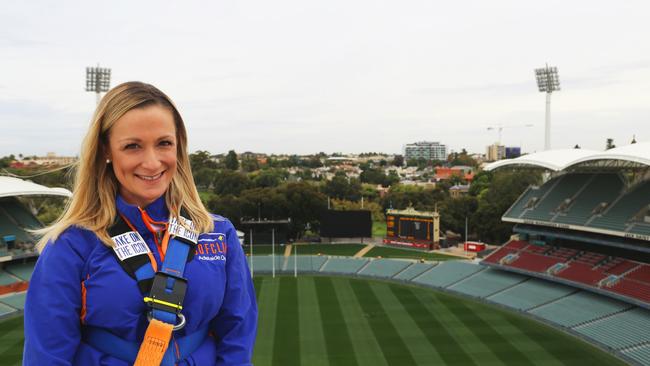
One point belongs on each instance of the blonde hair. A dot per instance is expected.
(92, 205)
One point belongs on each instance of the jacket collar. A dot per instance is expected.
(157, 211)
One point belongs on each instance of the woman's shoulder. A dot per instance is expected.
(74, 239)
(221, 222)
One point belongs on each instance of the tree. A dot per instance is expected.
(228, 206)
(250, 164)
(201, 159)
(6, 161)
(230, 182)
(269, 178)
(231, 160)
(461, 158)
(343, 187)
(305, 205)
(204, 177)
(398, 160)
(402, 196)
(504, 189)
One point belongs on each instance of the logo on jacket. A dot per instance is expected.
(212, 247)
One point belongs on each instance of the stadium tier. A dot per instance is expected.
(386, 268)
(579, 308)
(412, 271)
(488, 282)
(16, 300)
(620, 330)
(21, 270)
(565, 187)
(343, 265)
(531, 293)
(594, 202)
(446, 273)
(616, 276)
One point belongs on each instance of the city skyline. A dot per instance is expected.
(293, 77)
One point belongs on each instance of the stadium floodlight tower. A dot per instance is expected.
(548, 81)
(98, 80)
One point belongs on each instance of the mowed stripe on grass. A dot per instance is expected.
(341, 321)
(374, 323)
(11, 341)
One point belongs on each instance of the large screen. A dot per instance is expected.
(346, 224)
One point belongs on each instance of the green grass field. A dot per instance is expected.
(388, 252)
(310, 249)
(11, 341)
(336, 321)
(349, 250)
(340, 321)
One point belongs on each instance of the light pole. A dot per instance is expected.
(548, 81)
(98, 80)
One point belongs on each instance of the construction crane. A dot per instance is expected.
(500, 128)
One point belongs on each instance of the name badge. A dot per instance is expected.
(186, 230)
(129, 245)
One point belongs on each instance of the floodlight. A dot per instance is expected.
(548, 81)
(98, 80)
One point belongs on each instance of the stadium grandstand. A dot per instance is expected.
(17, 253)
(587, 227)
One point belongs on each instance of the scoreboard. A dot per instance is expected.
(420, 229)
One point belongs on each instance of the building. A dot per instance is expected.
(495, 152)
(513, 152)
(459, 190)
(426, 150)
(50, 159)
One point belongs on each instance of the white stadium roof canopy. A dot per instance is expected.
(634, 154)
(10, 186)
(554, 160)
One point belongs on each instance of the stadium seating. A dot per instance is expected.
(487, 282)
(343, 265)
(7, 279)
(640, 354)
(516, 210)
(618, 266)
(264, 263)
(534, 262)
(306, 263)
(20, 214)
(620, 330)
(642, 228)
(631, 288)
(6, 310)
(602, 188)
(21, 270)
(530, 198)
(413, 271)
(16, 300)
(641, 273)
(583, 273)
(531, 293)
(446, 273)
(567, 187)
(622, 210)
(579, 308)
(386, 268)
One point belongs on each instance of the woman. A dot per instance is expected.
(93, 298)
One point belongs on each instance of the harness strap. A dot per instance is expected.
(139, 267)
(163, 291)
(109, 343)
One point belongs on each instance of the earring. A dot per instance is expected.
(108, 161)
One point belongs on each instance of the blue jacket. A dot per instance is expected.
(78, 281)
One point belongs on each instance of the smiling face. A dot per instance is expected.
(142, 148)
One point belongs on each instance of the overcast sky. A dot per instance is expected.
(300, 76)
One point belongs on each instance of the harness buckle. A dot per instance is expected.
(167, 293)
